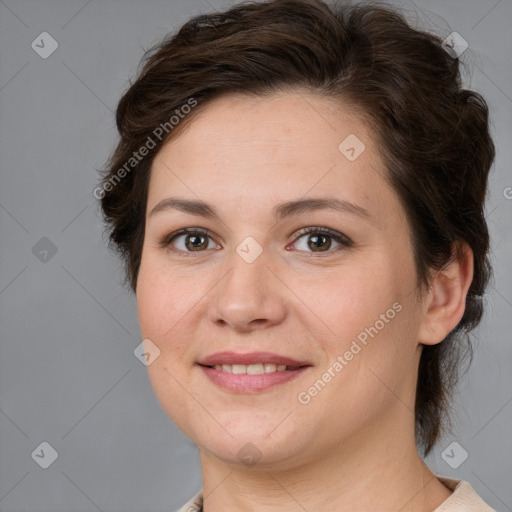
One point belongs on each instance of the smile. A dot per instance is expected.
(253, 369)
(250, 372)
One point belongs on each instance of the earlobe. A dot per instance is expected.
(446, 299)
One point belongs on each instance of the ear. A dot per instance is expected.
(446, 300)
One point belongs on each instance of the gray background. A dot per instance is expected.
(68, 374)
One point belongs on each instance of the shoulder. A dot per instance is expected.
(195, 504)
(463, 499)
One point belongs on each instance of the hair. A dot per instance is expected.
(433, 135)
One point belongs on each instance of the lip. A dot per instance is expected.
(249, 383)
(249, 358)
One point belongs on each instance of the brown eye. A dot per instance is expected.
(196, 242)
(189, 240)
(320, 240)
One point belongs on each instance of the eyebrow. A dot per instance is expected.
(281, 211)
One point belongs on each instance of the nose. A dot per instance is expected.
(250, 296)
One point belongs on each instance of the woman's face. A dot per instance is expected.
(339, 303)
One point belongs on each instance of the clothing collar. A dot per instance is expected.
(463, 499)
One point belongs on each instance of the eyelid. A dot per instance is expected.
(336, 235)
(340, 238)
(167, 239)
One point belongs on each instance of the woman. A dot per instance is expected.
(298, 197)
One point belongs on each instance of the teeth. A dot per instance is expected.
(255, 369)
(239, 368)
(251, 369)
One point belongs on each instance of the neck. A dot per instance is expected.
(379, 469)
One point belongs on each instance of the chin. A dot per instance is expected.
(252, 446)
(263, 454)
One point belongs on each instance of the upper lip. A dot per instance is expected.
(249, 358)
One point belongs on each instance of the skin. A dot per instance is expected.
(352, 447)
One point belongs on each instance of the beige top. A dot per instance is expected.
(463, 499)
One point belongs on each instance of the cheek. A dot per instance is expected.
(161, 299)
(368, 314)
(369, 364)
(168, 305)
(161, 309)
(351, 298)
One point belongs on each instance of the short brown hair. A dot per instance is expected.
(433, 134)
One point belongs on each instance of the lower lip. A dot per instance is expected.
(247, 383)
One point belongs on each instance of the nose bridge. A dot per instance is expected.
(248, 271)
(249, 291)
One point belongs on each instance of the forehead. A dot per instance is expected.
(246, 151)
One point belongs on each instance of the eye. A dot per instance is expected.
(188, 240)
(319, 240)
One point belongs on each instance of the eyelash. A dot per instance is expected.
(345, 242)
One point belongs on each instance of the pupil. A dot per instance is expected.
(315, 239)
(194, 239)
(315, 242)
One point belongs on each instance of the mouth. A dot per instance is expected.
(252, 372)
(253, 369)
